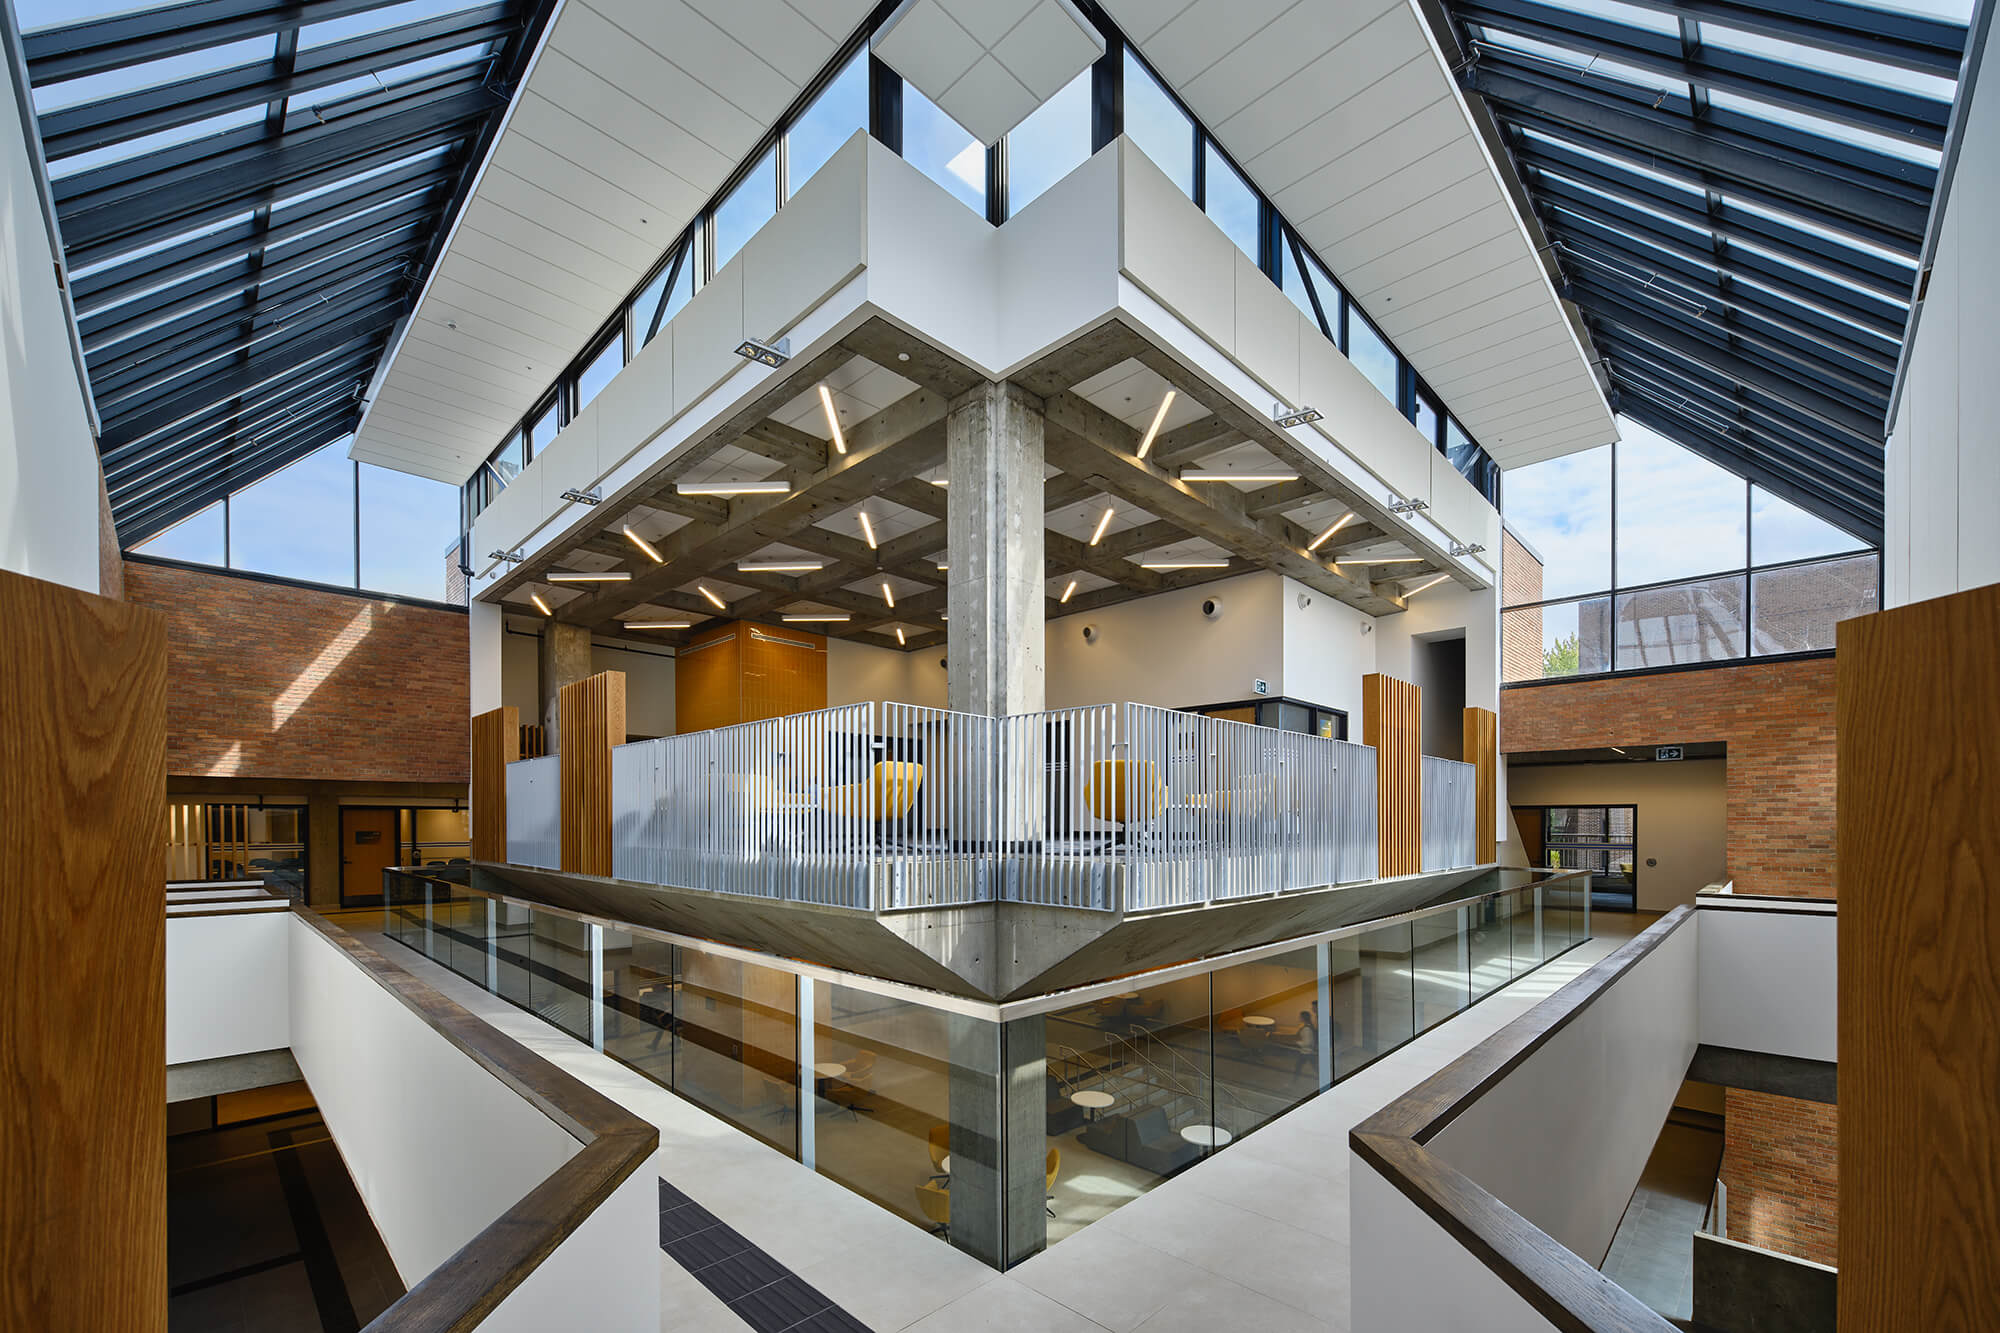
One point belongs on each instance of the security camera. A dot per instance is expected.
(1212, 608)
(1305, 600)
(1090, 634)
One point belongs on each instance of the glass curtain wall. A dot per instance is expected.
(1641, 554)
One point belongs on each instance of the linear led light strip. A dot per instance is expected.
(868, 530)
(1153, 431)
(1430, 584)
(888, 595)
(734, 487)
(540, 605)
(781, 566)
(658, 624)
(832, 421)
(1067, 592)
(1102, 524)
(818, 618)
(718, 603)
(589, 576)
(643, 545)
(1210, 474)
(1184, 564)
(901, 642)
(1338, 524)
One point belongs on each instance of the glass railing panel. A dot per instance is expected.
(1529, 948)
(736, 1044)
(559, 980)
(513, 951)
(1266, 1018)
(1438, 977)
(1374, 1008)
(1490, 944)
(640, 983)
(464, 920)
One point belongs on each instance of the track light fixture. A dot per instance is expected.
(1464, 548)
(507, 557)
(1409, 507)
(773, 353)
(1288, 417)
(593, 496)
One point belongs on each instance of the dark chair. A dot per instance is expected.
(1064, 1114)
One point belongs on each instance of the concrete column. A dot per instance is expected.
(997, 592)
(565, 661)
(999, 1138)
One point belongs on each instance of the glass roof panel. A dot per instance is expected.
(1632, 15)
(1726, 38)
(375, 20)
(170, 69)
(1578, 61)
(153, 143)
(1847, 134)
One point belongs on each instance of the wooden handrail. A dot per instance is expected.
(460, 1292)
(1558, 1283)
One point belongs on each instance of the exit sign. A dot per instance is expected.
(1261, 686)
(1667, 752)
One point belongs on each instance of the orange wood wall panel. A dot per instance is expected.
(590, 721)
(496, 743)
(708, 680)
(1482, 751)
(83, 805)
(738, 672)
(784, 672)
(1918, 829)
(1392, 720)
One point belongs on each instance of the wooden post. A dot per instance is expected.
(83, 837)
(591, 720)
(1918, 717)
(1392, 720)
(496, 743)
(1482, 751)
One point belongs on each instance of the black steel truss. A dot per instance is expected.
(236, 291)
(1746, 276)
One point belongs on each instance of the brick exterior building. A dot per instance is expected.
(1777, 719)
(1520, 632)
(1780, 1163)
(268, 680)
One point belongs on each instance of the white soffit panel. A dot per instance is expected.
(1345, 116)
(634, 114)
(988, 63)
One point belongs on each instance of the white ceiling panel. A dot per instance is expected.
(1346, 116)
(633, 115)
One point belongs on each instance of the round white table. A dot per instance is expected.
(944, 1164)
(1092, 1101)
(831, 1069)
(1207, 1136)
(1258, 1021)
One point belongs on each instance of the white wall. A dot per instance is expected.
(1442, 612)
(1409, 1273)
(1161, 650)
(521, 674)
(1769, 979)
(228, 985)
(1683, 809)
(1563, 1138)
(1329, 647)
(1943, 470)
(486, 632)
(862, 673)
(49, 476)
(649, 684)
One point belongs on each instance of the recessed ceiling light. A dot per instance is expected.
(868, 530)
(717, 602)
(734, 487)
(540, 605)
(818, 618)
(899, 636)
(1068, 592)
(1102, 523)
(1210, 474)
(1183, 564)
(643, 545)
(658, 624)
(1432, 584)
(1384, 560)
(590, 576)
(888, 595)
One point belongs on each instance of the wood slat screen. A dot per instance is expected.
(590, 720)
(1918, 719)
(83, 816)
(534, 741)
(1482, 751)
(496, 743)
(1392, 720)
(736, 672)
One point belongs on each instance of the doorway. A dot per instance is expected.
(368, 845)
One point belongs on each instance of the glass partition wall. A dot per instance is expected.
(944, 1110)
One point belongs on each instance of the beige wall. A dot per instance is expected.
(1681, 816)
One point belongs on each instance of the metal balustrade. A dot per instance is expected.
(1450, 814)
(534, 813)
(885, 806)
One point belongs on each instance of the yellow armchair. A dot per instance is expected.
(1125, 791)
(893, 785)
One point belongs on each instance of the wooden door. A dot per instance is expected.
(1528, 819)
(368, 846)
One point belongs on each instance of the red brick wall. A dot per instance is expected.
(1520, 633)
(1777, 721)
(1780, 1165)
(269, 680)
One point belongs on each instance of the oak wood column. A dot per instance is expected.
(496, 743)
(83, 832)
(1918, 716)
(1482, 751)
(592, 721)
(1392, 720)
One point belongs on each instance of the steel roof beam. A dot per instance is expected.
(1861, 32)
(140, 37)
(184, 469)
